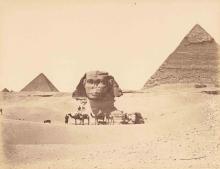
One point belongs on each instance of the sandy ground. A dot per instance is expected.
(181, 131)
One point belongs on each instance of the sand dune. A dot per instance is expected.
(181, 131)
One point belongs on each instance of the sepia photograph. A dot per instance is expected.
(109, 84)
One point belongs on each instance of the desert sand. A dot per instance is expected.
(181, 130)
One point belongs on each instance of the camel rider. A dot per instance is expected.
(78, 110)
(83, 110)
(100, 112)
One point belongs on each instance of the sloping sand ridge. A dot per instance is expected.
(181, 131)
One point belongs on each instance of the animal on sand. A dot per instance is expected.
(138, 118)
(47, 121)
(99, 118)
(102, 118)
(81, 117)
(110, 118)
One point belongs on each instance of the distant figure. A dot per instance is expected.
(66, 119)
(1, 111)
(47, 121)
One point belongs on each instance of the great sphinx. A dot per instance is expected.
(100, 89)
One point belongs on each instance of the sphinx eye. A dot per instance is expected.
(90, 81)
(104, 82)
(97, 81)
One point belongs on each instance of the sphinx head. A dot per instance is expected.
(97, 85)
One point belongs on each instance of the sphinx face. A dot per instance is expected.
(96, 87)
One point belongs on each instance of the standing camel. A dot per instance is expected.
(110, 118)
(80, 117)
(100, 118)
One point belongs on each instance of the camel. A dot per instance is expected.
(85, 116)
(79, 116)
(138, 118)
(100, 118)
(110, 119)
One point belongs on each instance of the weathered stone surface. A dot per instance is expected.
(195, 60)
(40, 83)
(5, 90)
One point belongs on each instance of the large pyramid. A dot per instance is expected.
(40, 83)
(195, 60)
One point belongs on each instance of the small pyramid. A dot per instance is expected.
(5, 90)
(195, 60)
(40, 83)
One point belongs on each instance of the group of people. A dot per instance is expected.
(101, 118)
(79, 115)
(135, 118)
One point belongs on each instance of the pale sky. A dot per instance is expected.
(65, 39)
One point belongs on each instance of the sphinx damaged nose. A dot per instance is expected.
(98, 90)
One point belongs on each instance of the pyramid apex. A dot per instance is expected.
(198, 35)
(41, 74)
(197, 25)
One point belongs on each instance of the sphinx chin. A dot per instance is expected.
(94, 96)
